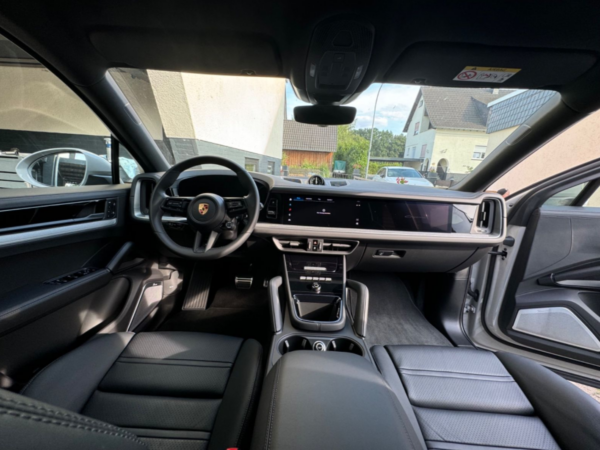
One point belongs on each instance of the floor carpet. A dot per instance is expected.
(393, 317)
(231, 311)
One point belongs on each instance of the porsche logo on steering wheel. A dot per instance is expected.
(202, 208)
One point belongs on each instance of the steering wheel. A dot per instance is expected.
(208, 214)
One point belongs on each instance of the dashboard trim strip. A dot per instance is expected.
(46, 233)
(268, 229)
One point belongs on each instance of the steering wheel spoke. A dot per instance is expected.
(176, 205)
(199, 247)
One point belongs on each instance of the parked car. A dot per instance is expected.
(401, 175)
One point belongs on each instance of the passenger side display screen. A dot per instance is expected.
(336, 212)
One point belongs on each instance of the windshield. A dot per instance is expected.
(408, 173)
(436, 133)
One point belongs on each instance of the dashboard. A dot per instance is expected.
(378, 226)
(225, 186)
(359, 213)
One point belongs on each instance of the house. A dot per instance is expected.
(305, 144)
(446, 129)
(189, 115)
(507, 113)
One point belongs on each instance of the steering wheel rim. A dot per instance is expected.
(195, 220)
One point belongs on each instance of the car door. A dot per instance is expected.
(63, 235)
(538, 294)
(552, 303)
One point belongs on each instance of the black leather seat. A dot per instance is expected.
(188, 391)
(476, 400)
(440, 398)
(169, 390)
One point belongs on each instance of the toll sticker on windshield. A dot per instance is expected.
(486, 74)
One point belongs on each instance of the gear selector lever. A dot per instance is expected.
(316, 288)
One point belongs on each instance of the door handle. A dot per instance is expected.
(562, 281)
(590, 284)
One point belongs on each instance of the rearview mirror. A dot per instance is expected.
(64, 167)
(324, 115)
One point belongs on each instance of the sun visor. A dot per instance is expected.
(223, 54)
(459, 65)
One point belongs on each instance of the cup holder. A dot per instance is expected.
(345, 345)
(294, 343)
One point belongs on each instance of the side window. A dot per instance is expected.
(128, 166)
(479, 152)
(566, 197)
(48, 136)
(251, 164)
(577, 196)
(577, 142)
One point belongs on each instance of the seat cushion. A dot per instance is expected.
(182, 389)
(464, 398)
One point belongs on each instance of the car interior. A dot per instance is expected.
(158, 294)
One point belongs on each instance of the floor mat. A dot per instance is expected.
(393, 317)
(231, 311)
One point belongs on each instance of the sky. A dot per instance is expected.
(393, 106)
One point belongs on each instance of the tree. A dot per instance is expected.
(352, 148)
(385, 143)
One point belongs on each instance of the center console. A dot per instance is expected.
(321, 376)
(315, 308)
(316, 291)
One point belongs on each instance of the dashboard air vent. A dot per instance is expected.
(338, 183)
(293, 180)
(146, 188)
(485, 216)
(293, 244)
(315, 245)
(339, 246)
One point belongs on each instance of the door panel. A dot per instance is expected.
(555, 307)
(55, 246)
(35, 344)
(565, 237)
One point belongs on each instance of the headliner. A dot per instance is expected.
(83, 39)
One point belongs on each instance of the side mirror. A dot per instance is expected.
(64, 167)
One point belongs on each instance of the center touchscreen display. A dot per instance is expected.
(401, 215)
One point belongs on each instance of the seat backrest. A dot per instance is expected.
(27, 424)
